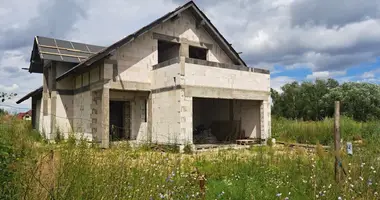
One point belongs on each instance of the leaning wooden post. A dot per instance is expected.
(337, 139)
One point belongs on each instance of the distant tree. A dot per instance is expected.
(315, 100)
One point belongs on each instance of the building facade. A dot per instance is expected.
(159, 85)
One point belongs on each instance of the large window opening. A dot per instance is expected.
(167, 50)
(223, 121)
(198, 53)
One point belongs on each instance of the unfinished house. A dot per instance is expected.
(174, 81)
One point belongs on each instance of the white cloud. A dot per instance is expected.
(277, 82)
(371, 74)
(10, 88)
(325, 75)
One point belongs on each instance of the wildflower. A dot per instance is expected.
(375, 193)
(289, 193)
(372, 168)
(162, 196)
(278, 194)
(369, 182)
(339, 198)
(361, 178)
(349, 164)
(330, 186)
(286, 198)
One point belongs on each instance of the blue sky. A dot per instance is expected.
(296, 39)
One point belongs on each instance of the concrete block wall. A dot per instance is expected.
(45, 119)
(138, 123)
(64, 114)
(135, 59)
(207, 76)
(248, 111)
(185, 27)
(82, 115)
(166, 117)
(38, 115)
(186, 118)
(166, 76)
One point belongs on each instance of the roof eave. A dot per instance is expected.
(30, 94)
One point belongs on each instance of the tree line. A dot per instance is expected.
(315, 100)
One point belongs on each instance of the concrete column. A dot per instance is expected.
(149, 118)
(104, 123)
(265, 119)
(184, 50)
(45, 91)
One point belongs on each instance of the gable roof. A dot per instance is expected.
(45, 48)
(209, 27)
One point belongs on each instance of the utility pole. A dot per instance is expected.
(337, 140)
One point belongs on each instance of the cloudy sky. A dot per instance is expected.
(295, 39)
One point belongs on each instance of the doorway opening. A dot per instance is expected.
(119, 125)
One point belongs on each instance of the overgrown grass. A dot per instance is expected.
(314, 132)
(78, 171)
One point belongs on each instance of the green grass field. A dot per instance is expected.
(33, 169)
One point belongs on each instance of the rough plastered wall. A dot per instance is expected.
(201, 75)
(248, 112)
(135, 59)
(166, 117)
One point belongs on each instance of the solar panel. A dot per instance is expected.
(66, 51)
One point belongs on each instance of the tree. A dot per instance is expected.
(315, 100)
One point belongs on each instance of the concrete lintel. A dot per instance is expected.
(169, 38)
(225, 93)
(130, 85)
(166, 63)
(165, 89)
(109, 61)
(216, 64)
(159, 36)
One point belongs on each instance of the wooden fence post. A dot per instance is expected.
(337, 140)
